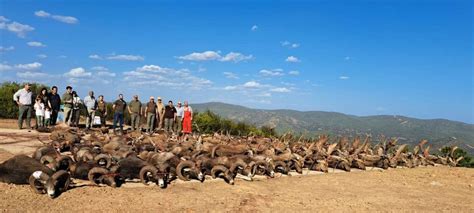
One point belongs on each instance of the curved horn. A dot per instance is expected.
(331, 148)
(218, 170)
(64, 162)
(181, 167)
(258, 166)
(281, 167)
(95, 173)
(234, 168)
(37, 181)
(47, 160)
(148, 173)
(100, 158)
(59, 182)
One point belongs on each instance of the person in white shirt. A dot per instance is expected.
(39, 109)
(24, 99)
(47, 116)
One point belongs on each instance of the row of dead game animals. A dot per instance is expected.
(104, 159)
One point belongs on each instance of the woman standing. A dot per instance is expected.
(187, 119)
(45, 100)
(76, 109)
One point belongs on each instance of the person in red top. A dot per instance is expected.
(187, 119)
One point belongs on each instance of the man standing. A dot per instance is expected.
(179, 118)
(135, 110)
(150, 113)
(24, 97)
(170, 115)
(161, 112)
(67, 100)
(119, 108)
(102, 110)
(91, 105)
(55, 102)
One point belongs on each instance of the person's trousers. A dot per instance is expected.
(179, 124)
(90, 117)
(54, 116)
(47, 122)
(150, 122)
(135, 120)
(22, 110)
(39, 121)
(169, 124)
(67, 115)
(161, 119)
(118, 117)
(76, 116)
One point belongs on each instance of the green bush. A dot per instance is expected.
(467, 160)
(8, 107)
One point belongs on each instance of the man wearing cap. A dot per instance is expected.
(67, 100)
(91, 105)
(160, 112)
(135, 110)
(179, 118)
(24, 98)
(119, 109)
(150, 113)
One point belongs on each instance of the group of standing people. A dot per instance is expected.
(47, 105)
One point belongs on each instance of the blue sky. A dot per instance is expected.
(410, 58)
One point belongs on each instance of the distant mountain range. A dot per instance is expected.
(439, 132)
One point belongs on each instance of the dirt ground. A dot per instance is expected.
(420, 189)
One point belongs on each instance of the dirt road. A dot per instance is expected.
(420, 189)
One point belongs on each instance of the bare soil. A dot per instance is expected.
(421, 189)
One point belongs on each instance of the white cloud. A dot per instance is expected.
(230, 88)
(5, 67)
(292, 59)
(254, 28)
(126, 57)
(272, 73)
(19, 29)
(95, 57)
(35, 44)
(236, 57)
(230, 75)
(204, 56)
(167, 77)
(42, 56)
(65, 19)
(78, 72)
(347, 58)
(215, 56)
(31, 75)
(252, 84)
(5, 49)
(280, 89)
(289, 44)
(30, 66)
(106, 74)
(344, 77)
(294, 72)
(100, 68)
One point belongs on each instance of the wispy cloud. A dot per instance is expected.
(19, 29)
(294, 72)
(344, 77)
(61, 18)
(35, 44)
(254, 28)
(42, 56)
(118, 57)
(289, 44)
(167, 77)
(252, 84)
(230, 75)
(6, 49)
(292, 59)
(32, 75)
(20, 67)
(280, 89)
(100, 68)
(106, 74)
(215, 56)
(271, 73)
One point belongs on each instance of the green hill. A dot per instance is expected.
(439, 132)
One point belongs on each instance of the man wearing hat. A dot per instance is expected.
(24, 98)
(150, 113)
(135, 110)
(160, 112)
